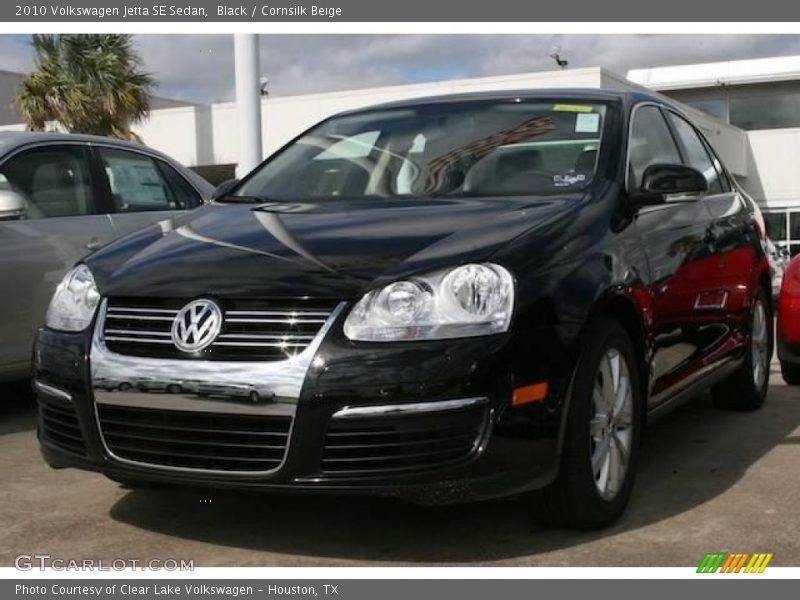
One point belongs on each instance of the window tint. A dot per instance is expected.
(725, 181)
(696, 155)
(776, 225)
(716, 107)
(501, 148)
(137, 184)
(54, 181)
(356, 146)
(794, 225)
(185, 195)
(651, 143)
(773, 111)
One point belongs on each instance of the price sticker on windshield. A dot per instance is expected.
(587, 123)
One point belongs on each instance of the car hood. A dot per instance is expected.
(332, 250)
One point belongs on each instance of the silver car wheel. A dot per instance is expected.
(611, 425)
(759, 340)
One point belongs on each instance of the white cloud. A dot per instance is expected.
(200, 67)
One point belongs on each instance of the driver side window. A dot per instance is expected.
(696, 154)
(651, 142)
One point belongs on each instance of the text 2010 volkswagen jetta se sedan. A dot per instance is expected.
(442, 299)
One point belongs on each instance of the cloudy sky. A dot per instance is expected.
(200, 67)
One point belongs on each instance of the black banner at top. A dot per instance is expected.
(398, 11)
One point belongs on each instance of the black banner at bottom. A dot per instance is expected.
(733, 587)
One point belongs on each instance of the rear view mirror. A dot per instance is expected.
(223, 188)
(12, 206)
(672, 179)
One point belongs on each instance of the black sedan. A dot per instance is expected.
(443, 299)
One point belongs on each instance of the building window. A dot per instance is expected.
(774, 111)
(783, 228)
(776, 225)
(716, 107)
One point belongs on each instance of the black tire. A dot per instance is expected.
(740, 390)
(791, 373)
(574, 499)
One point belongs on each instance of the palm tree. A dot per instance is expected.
(86, 84)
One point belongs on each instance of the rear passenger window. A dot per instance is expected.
(651, 143)
(138, 184)
(697, 156)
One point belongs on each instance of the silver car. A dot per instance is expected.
(778, 260)
(63, 196)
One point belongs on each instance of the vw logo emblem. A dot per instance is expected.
(196, 326)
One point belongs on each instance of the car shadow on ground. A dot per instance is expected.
(17, 407)
(689, 457)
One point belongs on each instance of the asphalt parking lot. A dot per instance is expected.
(708, 481)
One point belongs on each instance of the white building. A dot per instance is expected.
(749, 110)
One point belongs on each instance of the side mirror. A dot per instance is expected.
(223, 188)
(12, 206)
(661, 180)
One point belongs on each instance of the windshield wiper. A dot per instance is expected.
(243, 199)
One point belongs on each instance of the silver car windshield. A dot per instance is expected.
(515, 148)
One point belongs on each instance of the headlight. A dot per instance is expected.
(75, 301)
(471, 300)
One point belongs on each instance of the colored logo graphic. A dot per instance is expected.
(734, 563)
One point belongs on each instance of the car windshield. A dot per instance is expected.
(514, 147)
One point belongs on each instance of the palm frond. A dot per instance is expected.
(87, 84)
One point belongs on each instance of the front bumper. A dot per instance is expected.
(351, 390)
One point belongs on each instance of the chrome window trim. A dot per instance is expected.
(293, 371)
(387, 410)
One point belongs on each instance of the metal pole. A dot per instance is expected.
(248, 101)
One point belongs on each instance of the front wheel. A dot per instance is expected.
(746, 388)
(601, 433)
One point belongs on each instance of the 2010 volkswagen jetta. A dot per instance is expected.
(443, 299)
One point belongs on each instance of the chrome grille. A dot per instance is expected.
(58, 424)
(379, 445)
(195, 440)
(251, 330)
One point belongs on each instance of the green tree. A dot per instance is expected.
(87, 84)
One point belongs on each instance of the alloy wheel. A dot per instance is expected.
(611, 425)
(759, 340)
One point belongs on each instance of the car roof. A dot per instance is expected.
(11, 139)
(586, 94)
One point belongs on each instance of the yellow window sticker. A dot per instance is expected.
(577, 108)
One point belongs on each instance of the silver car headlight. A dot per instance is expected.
(466, 301)
(75, 301)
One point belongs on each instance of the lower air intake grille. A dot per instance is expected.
(59, 426)
(195, 440)
(409, 443)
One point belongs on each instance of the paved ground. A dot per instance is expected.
(709, 481)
